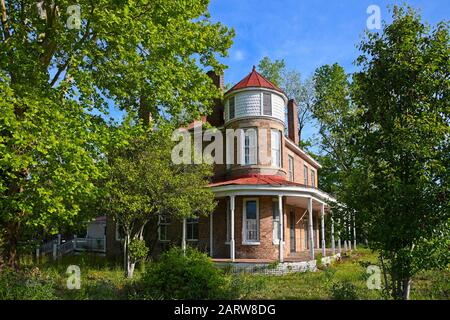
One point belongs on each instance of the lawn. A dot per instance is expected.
(345, 279)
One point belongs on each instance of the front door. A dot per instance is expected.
(292, 230)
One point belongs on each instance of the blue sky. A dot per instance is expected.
(305, 33)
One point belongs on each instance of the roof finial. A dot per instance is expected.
(254, 68)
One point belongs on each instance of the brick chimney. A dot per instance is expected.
(216, 117)
(292, 121)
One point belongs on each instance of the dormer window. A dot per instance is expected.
(267, 104)
(231, 108)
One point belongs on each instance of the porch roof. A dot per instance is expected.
(269, 185)
(256, 179)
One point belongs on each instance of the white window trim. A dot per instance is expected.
(313, 178)
(191, 223)
(247, 131)
(293, 167)
(244, 214)
(276, 241)
(275, 165)
(159, 229)
(305, 167)
(271, 104)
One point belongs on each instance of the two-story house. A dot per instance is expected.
(269, 205)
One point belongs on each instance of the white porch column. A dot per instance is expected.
(183, 239)
(349, 221)
(232, 247)
(354, 231)
(211, 239)
(333, 246)
(339, 236)
(281, 242)
(311, 229)
(322, 225)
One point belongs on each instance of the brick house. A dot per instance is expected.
(266, 210)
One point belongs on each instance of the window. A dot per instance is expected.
(250, 147)
(305, 175)
(164, 223)
(313, 178)
(251, 225)
(286, 122)
(276, 150)
(291, 168)
(231, 108)
(192, 229)
(276, 227)
(267, 104)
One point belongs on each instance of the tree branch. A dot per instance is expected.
(6, 33)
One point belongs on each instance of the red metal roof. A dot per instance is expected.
(257, 179)
(254, 79)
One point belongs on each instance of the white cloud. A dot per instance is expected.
(238, 55)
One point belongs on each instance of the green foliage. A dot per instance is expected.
(403, 145)
(183, 276)
(290, 81)
(385, 144)
(273, 71)
(26, 285)
(344, 290)
(146, 57)
(144, 183)
(138, 250)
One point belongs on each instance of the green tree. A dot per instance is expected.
(272, 70)
(144, 185)
(146, 56)
(403, 110)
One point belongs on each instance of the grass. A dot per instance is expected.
(101, 280)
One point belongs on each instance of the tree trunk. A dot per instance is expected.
(11, 257)
(130, 269)
(125, 253)
(406, 288)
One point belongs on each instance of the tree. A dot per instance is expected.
(403, 112)
(333, 112)
(60, 62)
(291, 83)
(144, 185)
(273, 71)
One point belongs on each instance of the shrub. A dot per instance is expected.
(138, 250)
(344, 290)
(182, 276)
(26, 285)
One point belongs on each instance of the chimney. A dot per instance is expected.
(217, 79)
(216, 117)
(293, 121)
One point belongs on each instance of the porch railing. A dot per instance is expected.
(52, 247)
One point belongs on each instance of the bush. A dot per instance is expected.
(344, 290)
(26, 285)
(182, 276)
